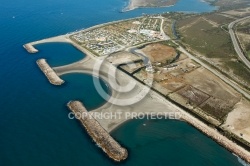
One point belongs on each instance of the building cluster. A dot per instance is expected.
(115, 37)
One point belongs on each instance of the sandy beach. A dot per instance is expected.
(151, 102)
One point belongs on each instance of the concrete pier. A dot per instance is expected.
(30, 48)
(111, 147)
(49, 72)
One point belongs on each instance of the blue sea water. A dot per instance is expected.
(170, 142)
(34, 124)
(59, 54)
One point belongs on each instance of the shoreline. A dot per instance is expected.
(146, 103)
(131, 6)
(215, 135)
(127, 8)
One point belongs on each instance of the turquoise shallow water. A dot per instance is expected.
(34, 124)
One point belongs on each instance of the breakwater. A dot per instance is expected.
(111, 147)
(49, 72)
(220, 139)
(233, 145)
(30, 48)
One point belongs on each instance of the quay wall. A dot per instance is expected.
(111, 147)
(49, 72)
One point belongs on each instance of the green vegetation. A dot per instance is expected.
(244, 28)
(239, 69)
(218, 18)
(169, 43)
(208, 40)
(207, 35)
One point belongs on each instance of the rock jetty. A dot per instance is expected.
(102, 138)
(49, 72)
(222, 140)
(30, 48)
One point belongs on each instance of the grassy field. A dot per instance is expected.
(211, 41)
(204, 35)
(219, 19)
(239, 69)
(244, 28)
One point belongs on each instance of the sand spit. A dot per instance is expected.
(49, 72)
(30, 48)
(112, 148)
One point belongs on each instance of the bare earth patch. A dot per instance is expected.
(193, 95)
(159, 53)
(122, 58)
(238, 120)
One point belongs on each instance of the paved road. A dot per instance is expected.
(235, 42)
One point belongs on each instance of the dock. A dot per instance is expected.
(49, 72)
(102, 138)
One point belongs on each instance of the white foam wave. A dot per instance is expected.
(241, 161)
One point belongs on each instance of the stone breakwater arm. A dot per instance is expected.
(112, 148)
(30, 48)
(215, 135)
(49, 72)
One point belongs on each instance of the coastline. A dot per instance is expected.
(153, 97)
(131, 6)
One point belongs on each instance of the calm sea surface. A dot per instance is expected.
(34, 125)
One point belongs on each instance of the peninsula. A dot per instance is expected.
(133, 4)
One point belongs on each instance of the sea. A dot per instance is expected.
(34, 126)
